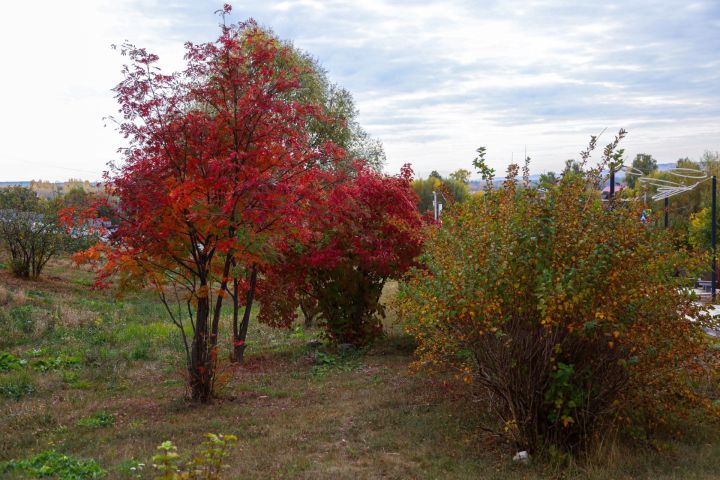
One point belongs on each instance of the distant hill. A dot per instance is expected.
(15, 184)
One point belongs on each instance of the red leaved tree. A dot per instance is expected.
(370, 231)
(216, 178)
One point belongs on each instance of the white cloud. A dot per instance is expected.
(433, 79)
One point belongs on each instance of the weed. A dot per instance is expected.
(97, 420)
(130, 468)
(57, 363)
(142, 351)
(16, 387)
(22, 316)
(8, 362)
(345, 362)
(206, 466)
(53, 464)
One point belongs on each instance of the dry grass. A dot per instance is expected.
(298, 414)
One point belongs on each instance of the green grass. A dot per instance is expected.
(97, 379)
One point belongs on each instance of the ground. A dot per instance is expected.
(102, 378)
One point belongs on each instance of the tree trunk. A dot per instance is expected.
(201, 369)
(240, 332)
(308, 311)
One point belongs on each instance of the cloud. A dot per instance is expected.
(432, 79)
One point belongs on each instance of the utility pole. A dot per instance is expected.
(713, 213)
(435, 206)
(612, 182)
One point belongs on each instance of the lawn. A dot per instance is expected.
(100, 378)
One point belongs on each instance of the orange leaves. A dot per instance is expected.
(516, 282)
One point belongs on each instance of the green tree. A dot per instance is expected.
(548, 180)
(454, 190)
(344, 129)
(643, 162)
(29, 230)
(461, 175)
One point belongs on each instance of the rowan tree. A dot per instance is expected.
(219, 169)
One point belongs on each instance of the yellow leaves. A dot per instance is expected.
(567, 420)
(616, 334)
(611, 344)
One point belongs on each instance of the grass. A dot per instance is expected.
(97, 383)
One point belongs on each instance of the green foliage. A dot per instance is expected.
(16, 386)
(57, 363)
(644, 163)
(461, 175)
(349, 304)
(8, 361)
(563, 395)
(700, 230)
(30, 230)
(97, 420)
(547, 180)
(54, 464)
(456, 190)
(480, 164)
(683, 207)
(345, 361)
(22, 316)
(207, 465)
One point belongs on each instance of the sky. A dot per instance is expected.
(432, 79)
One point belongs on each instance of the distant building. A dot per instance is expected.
(619, 187)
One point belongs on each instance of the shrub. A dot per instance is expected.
(371, 233)
(29, 229)
(54, 464)
(205, 466)
(567, 312)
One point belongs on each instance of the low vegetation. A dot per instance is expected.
(297, 410)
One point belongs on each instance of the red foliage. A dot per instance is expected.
(217, 176)
(367, 229)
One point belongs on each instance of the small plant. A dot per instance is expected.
(325, 362)
(54, 464)
(16, 387)
(206, 466)
(97, 420)
(8, 362)
(57, 363)
(22, 316)
(130, 469)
